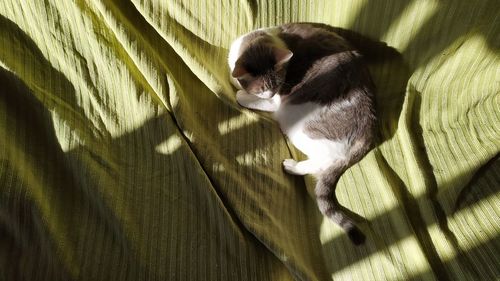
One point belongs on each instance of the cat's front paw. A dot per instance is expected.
(290, 166)
(243, 98)
(254, 102)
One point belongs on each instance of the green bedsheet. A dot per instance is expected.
(124, 156)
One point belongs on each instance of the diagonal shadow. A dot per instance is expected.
(478, 263)
(62, 98)
(140, 134)
(459, 21)
(22, 230)
(34, 155)
(408, 212)
(68, 166)
(456, 18)
(410, 208)
(467, 191)
(374, 25)
(79, 207)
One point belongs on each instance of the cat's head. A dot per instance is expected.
(261, 68)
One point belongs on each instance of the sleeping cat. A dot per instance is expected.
(321, 94)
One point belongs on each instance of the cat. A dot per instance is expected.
(321, 94)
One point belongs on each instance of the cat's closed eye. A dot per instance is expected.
(243, 82)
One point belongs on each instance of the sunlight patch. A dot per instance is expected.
(68, 139)
(172, 95)
(398, 251)
(189, 135)
(406, 251)
(253, 157)
(170, 145)
(410, 21)
(329, 231)
(2, 65)
(218, 167)
(236, 122)
(487, 210)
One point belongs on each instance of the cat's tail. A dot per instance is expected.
(329, 205)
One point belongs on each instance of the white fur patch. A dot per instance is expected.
(234, 54)
(293, 120)
(266, 94)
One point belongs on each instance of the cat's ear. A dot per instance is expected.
(282, 56)
(238, 71)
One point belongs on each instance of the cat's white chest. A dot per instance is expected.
(293, 120)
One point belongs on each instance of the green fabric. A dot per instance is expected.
(124, 156)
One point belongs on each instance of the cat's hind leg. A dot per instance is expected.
(300, 168)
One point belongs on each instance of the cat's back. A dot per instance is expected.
(312, 38)
(324, 64)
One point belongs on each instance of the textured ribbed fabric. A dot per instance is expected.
(124, 156)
